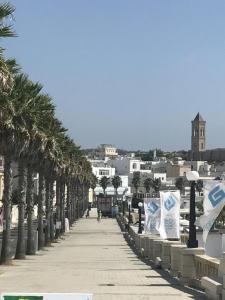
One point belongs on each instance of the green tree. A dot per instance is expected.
(156, 184)
(199, 186)
(180, 184)
(148, 183)
(104, 182)
(116, 182)
(136, 181)
(93, 181)
(6, 77)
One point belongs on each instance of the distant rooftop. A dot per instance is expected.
(107, 145)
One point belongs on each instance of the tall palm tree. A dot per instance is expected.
(31, 135)
(104, 182)
(14, 139)
(23, 94)
(6, 77)
(136, 181)
(148, 183)
(116, 182)
(94, 181)
(180, 184)
(156, 184)
(199, 186)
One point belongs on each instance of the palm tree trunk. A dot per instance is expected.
(20, 248)
(41, 240)
(57, 232)
(74, 209)
(52, 193)
(31, 249)
(62, 208)
(47, 212)
(77, 200)
(7, 194)
(72, 200)
(68, 201)
(82, 199)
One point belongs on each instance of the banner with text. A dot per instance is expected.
(152, 215)
(214, 201)
(170, 215)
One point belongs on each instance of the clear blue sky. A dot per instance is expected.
(131, 73)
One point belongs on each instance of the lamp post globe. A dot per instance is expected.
(192, 177)
(140, 204)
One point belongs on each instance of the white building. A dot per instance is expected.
(161, 176)
(107, 150)
(99, 172)
(100, 168)
(128, 165)
(124, 188)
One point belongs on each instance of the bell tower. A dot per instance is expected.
(198, 134)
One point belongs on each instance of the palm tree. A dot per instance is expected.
(136, 181)
(6, 78)
(116, 182)
(156, 184)
(31, 135)
(104, 182)
(148, 183)
(199, 186)
(30, 211)
(180, 184)
(93, 184)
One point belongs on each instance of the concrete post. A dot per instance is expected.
(175, 251)
(150, 245)
(188, 265)
(157, 249)
(166, 253)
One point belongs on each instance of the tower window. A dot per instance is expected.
(195, 132)
(202, 146)
(202, 131)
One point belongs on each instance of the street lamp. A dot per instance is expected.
(192, 176)
(140, 204)
(124, 199)
(129, 207)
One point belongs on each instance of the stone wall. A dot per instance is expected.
(190, 265)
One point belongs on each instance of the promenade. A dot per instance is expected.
(93, 258)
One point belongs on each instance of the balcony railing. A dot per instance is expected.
(207, 266)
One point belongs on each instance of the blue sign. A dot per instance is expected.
(169, 203)
(152, 207)
(216, 195)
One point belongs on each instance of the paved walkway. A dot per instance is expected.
(94, 258)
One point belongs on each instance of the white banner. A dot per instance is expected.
(152, 215)
(214, 201)
(170, 215)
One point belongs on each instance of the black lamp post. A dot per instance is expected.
(129, 207)
(140, 204)
(192, 242)
(124, 206)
